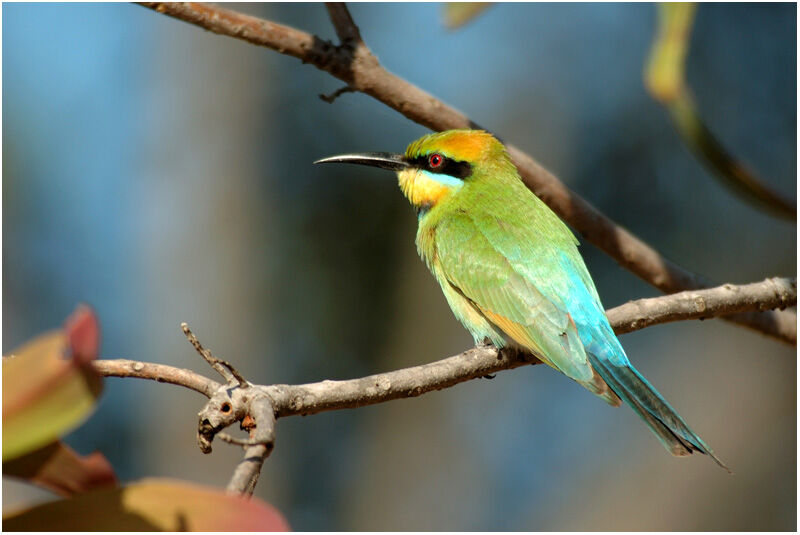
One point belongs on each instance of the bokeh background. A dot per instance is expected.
(163, 174)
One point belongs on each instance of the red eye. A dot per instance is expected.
(435, 160)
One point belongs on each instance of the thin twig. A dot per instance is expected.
(230, 439)
(336, 94)
(361, 70)
(156, 372)
(223, 367)
(343, 23)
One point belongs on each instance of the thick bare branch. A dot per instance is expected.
(471, 364)
(258, 406)
(406, 383)
(283, 39)
(481, 361)
(361, 71)
(701, 304)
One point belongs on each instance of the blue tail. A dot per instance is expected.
(645, 400)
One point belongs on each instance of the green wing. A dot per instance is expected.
(516, 271)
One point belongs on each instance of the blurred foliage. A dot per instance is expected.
(666, 67)
(457, 14)
(151, 505)
(665, 79)
(58, 468)
(45, 393)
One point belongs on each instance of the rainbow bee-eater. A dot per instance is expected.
(511, 271)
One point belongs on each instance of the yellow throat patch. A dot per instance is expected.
(424, 189)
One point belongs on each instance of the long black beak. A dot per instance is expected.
(384, 160)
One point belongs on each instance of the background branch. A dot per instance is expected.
(665, 78)
(360, 70)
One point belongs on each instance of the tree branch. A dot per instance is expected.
(257, 449)
(258, 406)
(471, 364)
(355, 64)
(156, 372)
(484, 360)
(343, 23)
(245, 476)
(702, 304)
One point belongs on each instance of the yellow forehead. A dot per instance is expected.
(460, 145)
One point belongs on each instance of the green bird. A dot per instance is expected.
(511, 271)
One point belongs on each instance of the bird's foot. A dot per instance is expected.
(485, 343)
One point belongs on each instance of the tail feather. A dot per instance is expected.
(645, 400)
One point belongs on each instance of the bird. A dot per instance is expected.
(511, 271)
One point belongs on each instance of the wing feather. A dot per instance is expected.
(486, 263)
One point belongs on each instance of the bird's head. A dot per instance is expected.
(436, 167)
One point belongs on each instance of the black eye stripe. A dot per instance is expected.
(450, 166)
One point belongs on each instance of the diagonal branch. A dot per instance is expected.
(355, 64)
(665, 78)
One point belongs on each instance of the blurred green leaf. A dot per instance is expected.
(47, 392)
(665, 79)
(665, 71)
(456, 14)
(733, 173)
(59, 468)
(152, 504)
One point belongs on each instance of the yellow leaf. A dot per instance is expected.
(45, 394)
(456, 14)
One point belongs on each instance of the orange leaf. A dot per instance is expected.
(151, 504)
(58, 468)
(83, 333)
